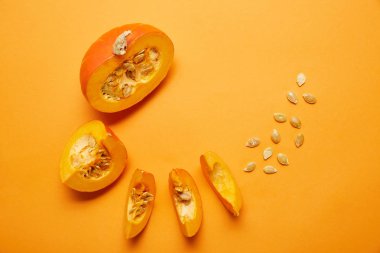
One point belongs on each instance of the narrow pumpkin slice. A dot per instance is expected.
(124, 65)
(93, 158)
(187, 201)
(220, 178)
(140, 200)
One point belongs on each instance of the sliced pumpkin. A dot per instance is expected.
(93, 158)
(186, 200)
(221, 180)
(124, 65)
(140, 200)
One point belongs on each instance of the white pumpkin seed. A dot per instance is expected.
(186, 196)
(269, 169)
(268, 152)
(276, 138)
(253, 142)
(279, 117)
(250, 167)
(309, 98)
(295, 122)
(120, 45)
(301, 79)
(299, 140)
(292, 97)
(282, 159)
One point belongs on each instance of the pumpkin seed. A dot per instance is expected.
(140, 198)
(282, 159)
(269, 169)
(250, 167)
(295, 122)
(279, 117)
(127, 91)
(130, 72)
(301, 79)
(129, 66)
(309, 98)
(139, 58)
(268, 152)
(276, 138)
(299, 140)
(185, 196)
(120, 45)
(292, 97)
(153, 54)
(86, 156)
(146, 69)
(253, 142)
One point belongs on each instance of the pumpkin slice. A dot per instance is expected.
(124, 65)
(187, 201)
(93, 158)
(220, 178)
(140, 199)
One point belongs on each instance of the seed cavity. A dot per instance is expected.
(184, 201)
(250, 167)
(90, 158)
(279, 117)
(130, 75)
(276, 138)
(299, 139)
(120, 45)
(295, 122)
(269, 169)
(267, 153)
(139, 200)
(253, 142)
(309, 98)
(301, 79)
(282, 159)
(292, 97)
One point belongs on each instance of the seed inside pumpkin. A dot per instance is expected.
(90, 157)
(131, 74)
(139, 200)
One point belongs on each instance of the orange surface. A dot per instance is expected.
(234, 61)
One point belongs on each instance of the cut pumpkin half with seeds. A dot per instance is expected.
(140, 200)
(221, 180)
(124, 65)
(186, 200)
(93, 158)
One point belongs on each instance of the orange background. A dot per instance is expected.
(234, 62)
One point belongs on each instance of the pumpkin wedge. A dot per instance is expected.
(140, 200)
(186, 200)
(221, 180)
(93, 158)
